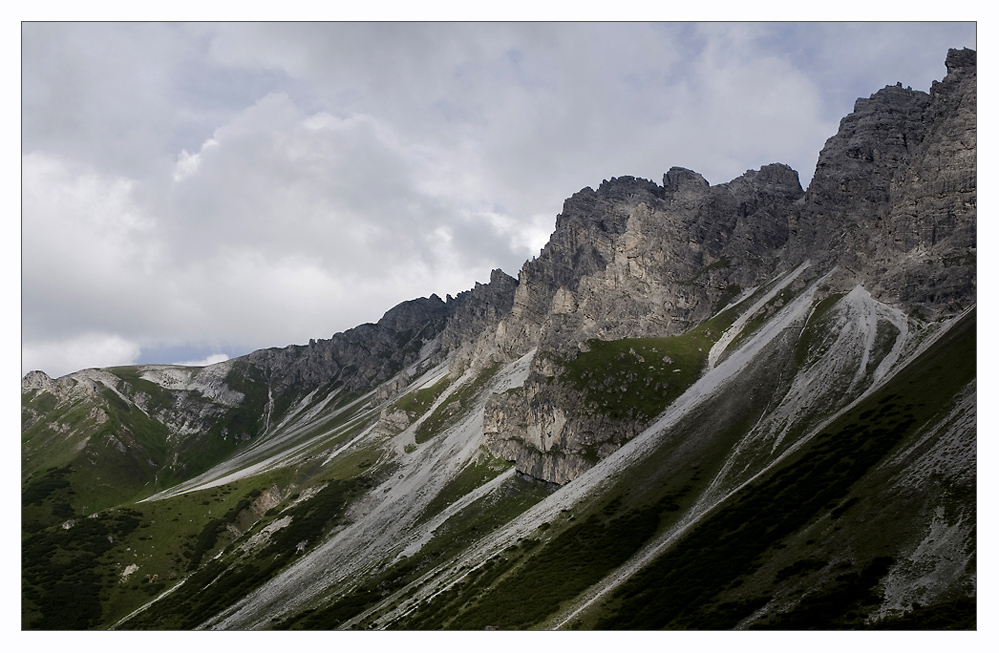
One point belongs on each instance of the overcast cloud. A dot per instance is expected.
(192, 192)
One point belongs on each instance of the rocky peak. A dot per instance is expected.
(681, 179)
(477, 310)
(36, 380)
(850, 190)
(959, 61)
(358, 359)
(856, 165)
(628, 188)
(926, 250)
(413, 314)
(893, 196)
(777, 178)
(891, 98)
(633, 259)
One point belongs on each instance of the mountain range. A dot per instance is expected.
(739, 406)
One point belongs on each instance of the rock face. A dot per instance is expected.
(892, 204)
(631, 259)
(412, 336)
(473, 313)
(748, 406)
(637, 259)
(930, 236)
(894, 197)
(360, 358)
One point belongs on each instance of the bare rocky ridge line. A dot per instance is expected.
(636, 259)
(787, 307)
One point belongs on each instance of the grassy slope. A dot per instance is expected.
(709, 579)
(219, 582)
(121, 460)
(358, 606)
(115, 451)
(696, 583)
(686, 587)
(636, 378)
(222, 581)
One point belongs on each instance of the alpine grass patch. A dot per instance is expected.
(682, 588)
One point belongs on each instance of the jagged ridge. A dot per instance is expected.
(684, 369)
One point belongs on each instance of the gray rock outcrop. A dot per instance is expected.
(892, 204)
(894, 194)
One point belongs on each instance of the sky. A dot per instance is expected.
(193, 192)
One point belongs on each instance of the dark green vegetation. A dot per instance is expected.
(418, 402)
(710, 578)
(224, 580)
(803, 546)
(528, 592)
(65, 575)
(451, 538)
(724, 571)
(108, 562)
(636, 378)
(452, 407)
(47, 500)
(684, 587)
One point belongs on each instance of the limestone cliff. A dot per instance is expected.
(894, 193)
(751, 406)
(891, 206)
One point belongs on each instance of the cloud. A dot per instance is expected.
(102, 92)
(208, 360)
(205, 188)
(298, 187)
(263, 237)
(188, 164)
(87, 248)
(58, 357)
